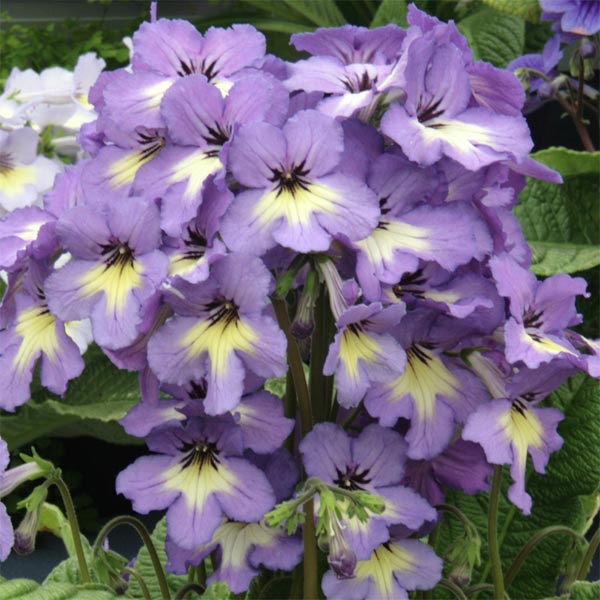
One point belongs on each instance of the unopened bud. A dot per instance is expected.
(26, 532)
(341, 557)
(545, 91)
(587, 49)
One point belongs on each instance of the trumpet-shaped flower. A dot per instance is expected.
(199, 474)
(220, 331)
(115, 268)
(297, 199)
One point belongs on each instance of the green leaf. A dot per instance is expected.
(494, 36)
(562, 222)
(143, 565)
(560, 497)
(529, 10)
(25, 589)
(13, 588)
(322, 13)
(585, 590)
(93, 404)
(391, 11)
(66, 571)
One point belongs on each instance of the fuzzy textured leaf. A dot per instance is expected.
(529, 10)
(92, 405)
(562, 222)
(494, 36)
(391, 11)
(143, 565)
(560, 497)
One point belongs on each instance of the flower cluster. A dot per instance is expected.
(370, 186)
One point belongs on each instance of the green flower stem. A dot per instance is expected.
(321, 386)
(589, 555)
(455, 589)
(531, 544)
(57, 480)
(143, 533)
(141, 582)
(296, 368)
(189, 587)
(479, 587)
(201, 574)
(452, 510)
(584, 135)
(310, 567)
(494, 549)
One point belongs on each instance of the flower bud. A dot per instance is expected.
(341, 557)
(26, 532)
(587, 49)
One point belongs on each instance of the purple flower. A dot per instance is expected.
(297, 199)
(435, 120)
(581, 17)
(391, 570)
(362, 352)
(115, 269)
(435, 392)
(36, 333)
(200, 476)
(540, 312)
(219, 331)
(510, 428)
(9, 480)
(374, 461)
(241, 548)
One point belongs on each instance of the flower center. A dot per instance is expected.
(199, 454)
(290, 180)
(352, 479)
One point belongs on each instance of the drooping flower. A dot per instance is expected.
(436, 120)
(511, 427)
(540, 312)
(581, 17)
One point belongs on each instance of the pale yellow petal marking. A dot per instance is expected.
(297, 207)
(37, 327)
(524, 429)
(383, 242)
(357, 345)
(236, 539)
(14, 179)
(381, 566)
(180, 263)
(544, 344)
(196, 168)
(219, 339)
(424, 380)
(116, 281)
(198, 481)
